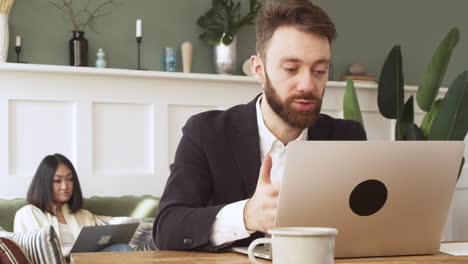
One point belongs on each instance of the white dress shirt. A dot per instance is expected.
(229, 224)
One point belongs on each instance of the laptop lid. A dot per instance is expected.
(96, 238)
(385, 198)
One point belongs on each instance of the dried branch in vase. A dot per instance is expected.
(5, 6)
(84, 16)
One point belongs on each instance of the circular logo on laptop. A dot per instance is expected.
(368, 197)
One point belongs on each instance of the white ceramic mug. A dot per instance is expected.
(299, 245)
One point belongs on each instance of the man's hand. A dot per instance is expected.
(260, 210)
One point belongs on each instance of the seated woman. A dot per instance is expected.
(55, 199)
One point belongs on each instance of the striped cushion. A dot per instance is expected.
(41, 246)
(11, 252)
(142, 240)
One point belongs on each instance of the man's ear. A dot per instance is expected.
(258, 69)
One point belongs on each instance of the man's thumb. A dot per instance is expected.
(265, 171)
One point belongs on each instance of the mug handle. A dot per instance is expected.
(253, 245)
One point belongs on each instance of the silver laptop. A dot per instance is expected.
(385, 198)
(96, 238)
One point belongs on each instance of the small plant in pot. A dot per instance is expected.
(81, 18)
(221, 24)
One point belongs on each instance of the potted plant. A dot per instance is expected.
(221, 24)
(81, 18)
(446, 118)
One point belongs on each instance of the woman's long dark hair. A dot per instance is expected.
(40, 193)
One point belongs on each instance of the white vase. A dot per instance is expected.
(225, 58)
(187, 54)
(3, 37)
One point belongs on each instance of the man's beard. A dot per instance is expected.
(293, 117)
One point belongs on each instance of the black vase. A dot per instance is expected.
(78, 49)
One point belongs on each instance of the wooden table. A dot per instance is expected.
(183, 257)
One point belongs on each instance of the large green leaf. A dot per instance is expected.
(224, 14)
(211, 21)
(216, 18)
(351, 109)
(233, 21)
(414, 133)
(234, 14)
(405, 124)
(435, 71)
(211, 37)
(391, 90)
(451, 122)
(429, 117)
(461, 168)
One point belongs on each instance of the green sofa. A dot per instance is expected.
(132, 206)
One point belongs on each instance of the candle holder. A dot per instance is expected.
(138, 40)
(18, 51)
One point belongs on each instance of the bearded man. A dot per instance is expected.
(224, 183)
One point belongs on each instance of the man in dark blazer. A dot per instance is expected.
(224, 183)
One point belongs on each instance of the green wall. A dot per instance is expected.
(367, 29)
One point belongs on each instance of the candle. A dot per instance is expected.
(187, 53)
(138, 28)
(18, 41)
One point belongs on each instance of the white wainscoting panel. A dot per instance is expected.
(38, 128)
(123, 138)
